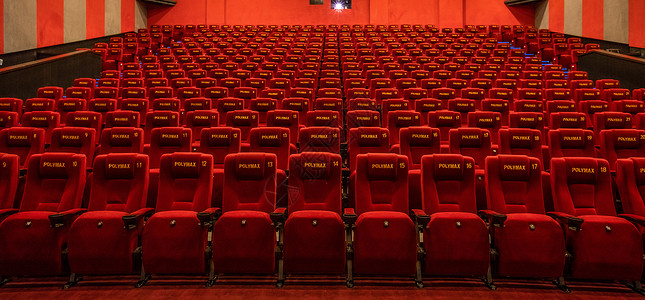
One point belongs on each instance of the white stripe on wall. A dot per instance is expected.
(20, 27)
(74, 20)
(112, 17)
(542, 15)
(573, 17)
(616, 19)
(140, 15)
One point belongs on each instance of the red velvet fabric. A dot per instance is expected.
(74, 140)
(122, 119)
(567, 119)
(200, 119)
(158, 119)
(314, 242)
(401, 119)
(367, 140)
(165, 140)
(571, 143)
(381, 249)
(287, 119)
(9, 168)
(244, 120)
(47, 120)
(271, 140)
(320, 139)
(22, 141)
(244, 242)
(87, 119)
(30, 245)
(174, 249)
(606, 247)
(445, 120)
(473, 142)
(610, 120)
(121, 140)
(621, 143)
(416, 141)
(219, 142)
(456, 250)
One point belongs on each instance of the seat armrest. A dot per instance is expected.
(65, 218)
(570, 221)
(420, 217)
(131, 221)
(494, 218)
(208, 216)
(634, 219)
(7, 212)
(279, 215)
(349, 216)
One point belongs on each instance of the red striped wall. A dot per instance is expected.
(95, 18)
(127, 15)
(50, 22)
(637, 23)
(592, 19)
(556, 15)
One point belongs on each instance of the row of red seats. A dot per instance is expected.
(315, 233)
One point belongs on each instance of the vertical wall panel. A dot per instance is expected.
(1, 26)
(214, 9)
(21, 32)
(592, 19)
(637, 23)
(616, 20)
(49, 22)
(112, 17)
(573, 17)
(556, 15)
(74, 13)
(542, 15)
(127, 15)
(140, 15)
(451, 13)
(95, 18)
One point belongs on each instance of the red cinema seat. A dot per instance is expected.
(521, 141)
(78, 92)
(272, 140)
(492, 121)
(610, 120)
(9, 119)
(445, 120)
(165, 140)
(448, 188)
(384, 237)
(77, 140)
(621, 143)
(528, 243)
(570, 142)
(68, 105)
(47, 120)
(159, 119)
(40, 104)
(364, 140)
(225, 105)
(473, 142)
(114, 220)
(249, 199)
(629, 106)
(184, 197)
(198, 120)
(314, 199)
(50, 92)
(122, 119)
(603, 246)
(121, 140)
(245, 120)
(285, 119)
(567, 120)
(35, 238)
(9, 177)
(401, 119)
(11, 104)
(591, 107)
(363, 118)
(414, 143)
(263, 106)
(219, 142)
(320, 139)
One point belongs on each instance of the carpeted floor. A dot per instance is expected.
(303, 288)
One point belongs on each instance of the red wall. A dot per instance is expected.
(443, 13)
(637, 23)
